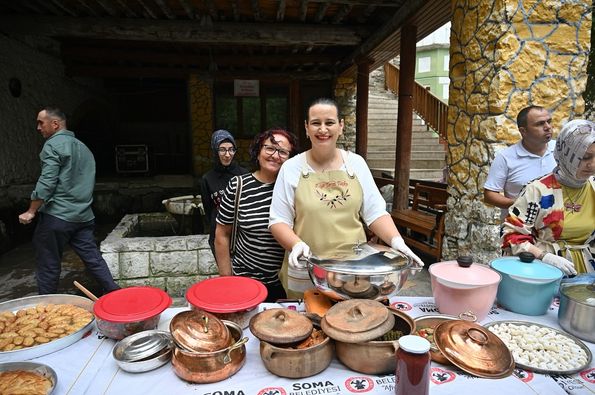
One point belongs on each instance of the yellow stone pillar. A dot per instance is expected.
(200, 96)
(505, 55)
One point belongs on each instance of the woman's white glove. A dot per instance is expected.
(398, 244)
(560, 262)
(297, 251)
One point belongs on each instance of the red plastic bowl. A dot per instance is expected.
(130, 310)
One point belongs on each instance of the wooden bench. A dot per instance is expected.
(422, 225)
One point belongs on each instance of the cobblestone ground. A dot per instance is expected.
(17, 273)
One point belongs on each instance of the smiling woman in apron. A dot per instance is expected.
(322, 199)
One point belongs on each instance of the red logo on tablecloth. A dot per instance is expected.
(441, 376)
(359, 384)
(588, 375)
(272, 391)
(524, 375)
(401, 306)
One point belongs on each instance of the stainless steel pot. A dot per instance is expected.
(576, 313)
(372, 272)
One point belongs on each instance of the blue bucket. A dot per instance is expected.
(528, 285)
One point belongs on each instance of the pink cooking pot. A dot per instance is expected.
(461, 286)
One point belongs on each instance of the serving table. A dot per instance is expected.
(87, 367)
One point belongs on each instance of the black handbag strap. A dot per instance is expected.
(234, 227)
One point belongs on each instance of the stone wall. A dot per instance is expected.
(345, 95)
(200, 95)
(43, 82)
(171, 263)
(505, 55)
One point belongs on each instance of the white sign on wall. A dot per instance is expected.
(246, 88)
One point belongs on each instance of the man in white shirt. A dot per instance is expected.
(515, 166)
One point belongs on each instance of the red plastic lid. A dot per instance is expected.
(228, 294)
(131, 304)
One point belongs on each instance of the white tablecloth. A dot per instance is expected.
(87, 367)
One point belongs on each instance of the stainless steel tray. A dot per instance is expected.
(558, 331)
(55, 345)
(38, 368)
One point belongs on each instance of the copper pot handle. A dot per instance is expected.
(468, 316)
(481, 338)
(238, 344)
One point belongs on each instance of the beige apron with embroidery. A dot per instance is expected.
(327, 206)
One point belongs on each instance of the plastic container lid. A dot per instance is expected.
(131, 304)
(414, 344)
(228, 294)
(463, 274)
(523, 267)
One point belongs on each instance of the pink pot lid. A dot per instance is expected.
(228, 294)
(131, 304)
(452, 273)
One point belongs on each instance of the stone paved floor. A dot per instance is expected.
(17, 268)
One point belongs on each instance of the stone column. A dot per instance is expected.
(505, 55)
(345, 95)
(200, 97)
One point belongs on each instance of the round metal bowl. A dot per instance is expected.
(39, 368)
(372, 272)
(143, 351)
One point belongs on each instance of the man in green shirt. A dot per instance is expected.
(62, 197)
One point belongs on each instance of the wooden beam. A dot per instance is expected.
(220, 33)
(88, 8)
(235, 8)
(361, 107)
(303, 10)
(125, 55)
(344, 11)
(108, 8)
(383, 3)
(321, 12)
(384, 32)
(147, 10)
(180, 72)
(165, 9)
(281, 11)
(405, 117)
(63, 8)
(188, 8)
(127, 10)
(256, 10)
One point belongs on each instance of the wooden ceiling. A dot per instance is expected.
(286, 39)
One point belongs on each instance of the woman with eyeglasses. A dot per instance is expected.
(257, 253)
(213, 183)
(324, 197)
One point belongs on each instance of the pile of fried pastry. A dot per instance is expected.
(24, 382)
(40, 324)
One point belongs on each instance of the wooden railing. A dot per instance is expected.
(429, 108)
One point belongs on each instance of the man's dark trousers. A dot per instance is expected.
(50, 237)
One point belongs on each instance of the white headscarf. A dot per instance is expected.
(572, 143)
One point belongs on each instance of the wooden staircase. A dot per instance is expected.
(427, 153)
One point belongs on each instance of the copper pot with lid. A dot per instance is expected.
(474, 349)
(290, 345)
(366, 334)
(206, 349)
(212, 366)
(199, 331)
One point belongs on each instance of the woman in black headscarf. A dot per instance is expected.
(213, 183)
